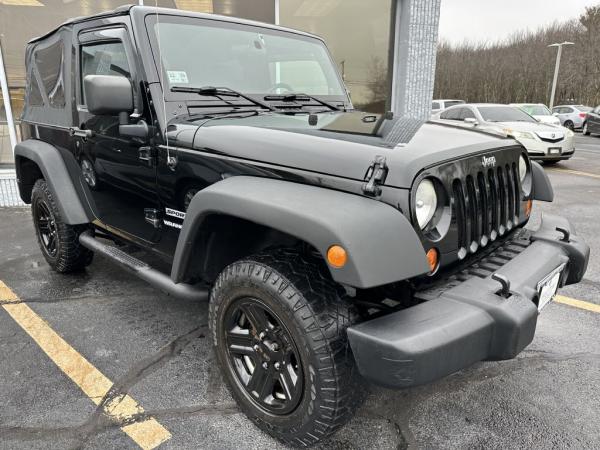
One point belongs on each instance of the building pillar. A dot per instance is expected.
(414, 53)
(7, 106)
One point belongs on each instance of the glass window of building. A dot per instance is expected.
(357, 33)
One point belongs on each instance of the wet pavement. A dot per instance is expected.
(154, 348)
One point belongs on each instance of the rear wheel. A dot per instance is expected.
(585, 130)
(58, 241)
(570, 125)
(279, 331)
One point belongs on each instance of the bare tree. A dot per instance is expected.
(520, 68)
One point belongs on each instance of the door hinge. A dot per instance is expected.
(147, 155)
(375, 177)
(153, 217)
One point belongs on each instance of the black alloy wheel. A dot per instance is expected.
(58, 240)
(45, 225)
(263, 356)
(278, 325)
(570, 125)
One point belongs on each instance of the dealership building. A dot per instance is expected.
(384, 49)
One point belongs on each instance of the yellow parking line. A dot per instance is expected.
(577, 303)
(148, 434)
(576, 172)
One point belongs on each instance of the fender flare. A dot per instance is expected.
(542, 188)
(382, 245)
(53, 168)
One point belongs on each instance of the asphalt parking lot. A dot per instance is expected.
(146, 354)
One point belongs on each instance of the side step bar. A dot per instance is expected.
(139, 268)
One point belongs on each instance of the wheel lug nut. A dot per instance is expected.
(277, 366)
(256, 347)
(275, 347)
(265, 365)
(262, 335)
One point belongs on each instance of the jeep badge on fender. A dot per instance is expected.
(297, 217)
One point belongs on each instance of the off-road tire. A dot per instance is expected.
(70, 255)
(315, 310)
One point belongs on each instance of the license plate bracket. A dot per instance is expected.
(555, 150)
(548, 286)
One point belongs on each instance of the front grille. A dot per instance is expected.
(486, 205)
(551, 137)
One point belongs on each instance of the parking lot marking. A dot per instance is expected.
(577, 303)
(148, 434)
(575, 172)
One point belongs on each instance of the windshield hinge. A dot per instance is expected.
(375, 177)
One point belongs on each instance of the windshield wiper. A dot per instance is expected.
(219, 92)
(298, 96)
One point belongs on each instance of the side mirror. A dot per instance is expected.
(108, 95)
(471, 121)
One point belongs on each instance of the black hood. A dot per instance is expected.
(342, 144)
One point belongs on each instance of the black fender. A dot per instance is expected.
(52, 167)
(381, 244)
(542, 188)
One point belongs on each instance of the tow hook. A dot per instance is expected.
(505, 292)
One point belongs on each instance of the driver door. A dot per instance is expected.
(122, 185)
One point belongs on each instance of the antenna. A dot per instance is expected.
(171, 160)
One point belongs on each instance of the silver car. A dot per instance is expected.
(571, 116)
(543, 141)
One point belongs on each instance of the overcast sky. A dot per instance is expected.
(490, 20)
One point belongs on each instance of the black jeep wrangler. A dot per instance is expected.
(334, 246)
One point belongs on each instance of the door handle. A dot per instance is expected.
(74, 131)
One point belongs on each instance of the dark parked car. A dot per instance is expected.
(334, 246)
(592, 122)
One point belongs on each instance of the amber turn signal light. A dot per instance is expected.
(528, 207)
(433, 258)
(337, 256)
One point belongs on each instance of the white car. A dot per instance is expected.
(549, 143)
(439, 105)
(539, 111)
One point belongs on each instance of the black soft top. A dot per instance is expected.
(126, 9)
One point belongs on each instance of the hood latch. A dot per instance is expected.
(375, 176)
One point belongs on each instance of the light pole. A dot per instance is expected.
(558, 55)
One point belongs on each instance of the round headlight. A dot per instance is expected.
(425, 202)
(522, 168)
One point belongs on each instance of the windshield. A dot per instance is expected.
(199, 52)
(504, 114)
(536, 110)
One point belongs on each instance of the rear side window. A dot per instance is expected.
(34, 96)
(50, 63)
(104, 59)
(451, 114)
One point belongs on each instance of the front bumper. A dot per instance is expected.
(470, 320)
(542, 150)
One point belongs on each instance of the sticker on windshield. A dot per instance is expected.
(177, 76)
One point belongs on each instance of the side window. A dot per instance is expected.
(435, 105)
(466, 113)
(451, 114)
(566, 110)
(34, 93)
(107, 58)
(50, 62)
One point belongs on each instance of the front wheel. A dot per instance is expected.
(278, 325)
